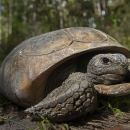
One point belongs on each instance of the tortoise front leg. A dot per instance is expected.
(74, 98)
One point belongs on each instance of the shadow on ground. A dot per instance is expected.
(13, 118)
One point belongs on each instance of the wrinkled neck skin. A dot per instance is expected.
(107, 68)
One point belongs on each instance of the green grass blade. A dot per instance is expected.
(110, 106)
(40, 126)
(119, 112)
(47, 121)
(66, 126)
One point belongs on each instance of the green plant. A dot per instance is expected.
(66, 126)
(116, 104)
(39, 124)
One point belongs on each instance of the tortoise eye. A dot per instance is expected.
(105, 60)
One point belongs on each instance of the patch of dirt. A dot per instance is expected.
(103, 121)
(13, 118)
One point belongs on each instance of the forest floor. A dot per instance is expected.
(13, 117)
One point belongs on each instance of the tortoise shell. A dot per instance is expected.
(25, 70)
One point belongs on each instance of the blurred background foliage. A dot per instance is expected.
(22, 19)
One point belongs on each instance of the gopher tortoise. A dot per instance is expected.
(58, 74)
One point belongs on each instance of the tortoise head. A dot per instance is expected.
(107, 68)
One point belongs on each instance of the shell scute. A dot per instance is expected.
(43, 45)
(86, 35)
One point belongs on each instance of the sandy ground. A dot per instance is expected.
(13, 118)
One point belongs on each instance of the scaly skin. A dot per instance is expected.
(77, 96)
